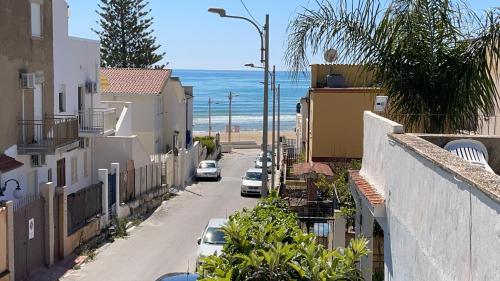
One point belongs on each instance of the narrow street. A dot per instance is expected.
(166, 241)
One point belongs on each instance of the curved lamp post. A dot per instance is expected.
(264, 58)
(17, 192)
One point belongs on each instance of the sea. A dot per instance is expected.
(247, 103)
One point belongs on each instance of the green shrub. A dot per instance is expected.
(266, 243)
(208, 142)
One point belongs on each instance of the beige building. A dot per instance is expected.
(161, 105)
(331, 115)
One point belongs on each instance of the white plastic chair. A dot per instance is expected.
(470, 150)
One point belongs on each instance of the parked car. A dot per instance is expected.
(262, 154)
(212, 240)
(208, 169)
(258, 163)
(252, 182)
(186, 276)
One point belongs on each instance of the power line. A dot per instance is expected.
(249, 13)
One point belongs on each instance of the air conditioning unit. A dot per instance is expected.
(91, 87)
(380, 103)
(28, 80)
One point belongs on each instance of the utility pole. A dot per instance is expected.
(273, 142)
(210, 102)
(264, 188)
(278, 93)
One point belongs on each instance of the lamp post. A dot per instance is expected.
(278, 93)
(272, 76)
(17, 192)
(210, 102)
(230, 97)
(264, 58)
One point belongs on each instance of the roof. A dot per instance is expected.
(133, 80)
(312, 167)
(216, 222)
(8, 163)
(370, 192)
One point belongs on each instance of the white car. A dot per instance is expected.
(258, 163)
(208, 169)
(212, 240)
(262, 154)
(252, 182)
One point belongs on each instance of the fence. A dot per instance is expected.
(135, 182)
(84, 205)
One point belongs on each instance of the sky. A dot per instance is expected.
(192, 38)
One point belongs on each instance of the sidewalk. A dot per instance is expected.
(58, 270)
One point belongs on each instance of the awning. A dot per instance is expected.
(8, 163)
(301, 169)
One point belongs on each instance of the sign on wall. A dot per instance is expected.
(31, 228)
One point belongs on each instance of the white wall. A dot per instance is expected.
(175, 104)
(433, 217)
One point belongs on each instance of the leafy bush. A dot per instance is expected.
(208, 142)
(266, 243)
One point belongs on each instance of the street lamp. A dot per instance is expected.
(272, 75)
(17, 192)
(264, 58)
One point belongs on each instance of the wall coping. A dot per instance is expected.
(475, 176)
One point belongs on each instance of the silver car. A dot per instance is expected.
(208, 169)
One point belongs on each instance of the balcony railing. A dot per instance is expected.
(97, 121)
(47, 135)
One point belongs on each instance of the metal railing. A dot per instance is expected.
(83, 206)
(52, 132)
(97, 120)
(421, 123)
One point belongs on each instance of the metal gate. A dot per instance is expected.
(111, 194)
(29, 241)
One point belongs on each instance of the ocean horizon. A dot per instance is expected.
(247, 106)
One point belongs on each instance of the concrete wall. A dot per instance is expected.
(116, 149)
(175, 117)
(336, 122)
(354, 75)
(145, 114)
(441, 223)
(19, 53)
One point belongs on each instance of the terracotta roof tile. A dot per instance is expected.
(370, 192)
(309, 168)
(133, 80)
(8, 163)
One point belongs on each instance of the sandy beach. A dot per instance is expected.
(255, 136)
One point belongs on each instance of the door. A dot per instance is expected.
(61, 172)
(111, 194)
(38, 113)
(29, 239)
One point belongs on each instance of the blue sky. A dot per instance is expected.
(195, 39)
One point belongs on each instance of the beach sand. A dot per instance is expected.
(255, 136)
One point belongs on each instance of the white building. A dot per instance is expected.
(161, 106)
(439, 213)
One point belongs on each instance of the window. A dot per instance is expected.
(36, 19)
(85, 163)
(62, 98)
(74, 169)
(49, 175)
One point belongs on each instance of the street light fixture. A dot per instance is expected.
(264, 58)
(272, 76)
(17, 192)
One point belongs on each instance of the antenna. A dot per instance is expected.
(331, 55)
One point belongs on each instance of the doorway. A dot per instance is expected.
(61, 172)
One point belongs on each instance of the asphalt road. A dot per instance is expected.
(166, 241)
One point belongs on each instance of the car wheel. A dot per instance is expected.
(242, 194)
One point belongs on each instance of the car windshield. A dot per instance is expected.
(205, 165)
(214, 236)
(253, 176)
(262, 158)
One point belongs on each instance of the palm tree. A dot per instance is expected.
(434, 58)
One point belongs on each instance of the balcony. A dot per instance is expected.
(97, 121)
(51, 135)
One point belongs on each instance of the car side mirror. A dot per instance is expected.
(198, 240)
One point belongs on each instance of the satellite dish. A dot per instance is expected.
(331, 55)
